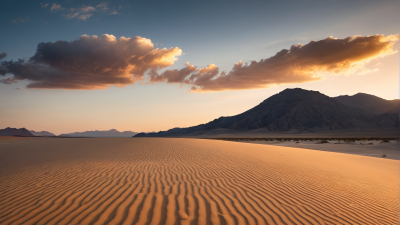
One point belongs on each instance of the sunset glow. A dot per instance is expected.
(99, 77)
(199, 112)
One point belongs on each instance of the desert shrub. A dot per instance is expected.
(324, 141)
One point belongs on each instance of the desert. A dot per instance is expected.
(373, 147)
(199, 112)
(190, 181)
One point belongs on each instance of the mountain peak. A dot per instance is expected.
(298, 90)
(15, 132)
(291, 110)
(292, 92)
(364, 95)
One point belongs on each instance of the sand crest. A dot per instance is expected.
(189, 181)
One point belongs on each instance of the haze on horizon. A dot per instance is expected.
(78, 66)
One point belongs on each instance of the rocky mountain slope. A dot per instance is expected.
(370, 103)
(295, 110)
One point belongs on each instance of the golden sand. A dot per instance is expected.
(189, 181)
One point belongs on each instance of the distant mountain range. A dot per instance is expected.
(300, 111)
(25, 133)
(42, 133)
(15, 132)
(99, 133)
(292, 111)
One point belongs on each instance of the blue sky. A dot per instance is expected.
(208, 32)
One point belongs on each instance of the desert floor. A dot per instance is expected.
(391, 150)
(190, 181)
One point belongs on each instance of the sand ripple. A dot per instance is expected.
(186, 181)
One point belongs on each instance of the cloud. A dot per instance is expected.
(18, 20)
(7, 81)
(103, 6)
(55, 7)
(173, 76)
(91, 62)
(82, 12)
(3, 55)
(301, 63)
(43, 5)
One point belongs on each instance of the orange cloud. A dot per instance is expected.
(299, 64)
(173, 76)
(91, 62)
(54, 7)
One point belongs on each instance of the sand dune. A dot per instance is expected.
(189, 181)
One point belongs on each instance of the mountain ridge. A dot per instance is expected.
(370, 103)
(98, 133)
(42, 133)
(292, 109)
(15, 132)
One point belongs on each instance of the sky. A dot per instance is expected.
(73, 66)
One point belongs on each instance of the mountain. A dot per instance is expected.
(42, 133)
(370, 103)
(99, 133)
(386, 120)
(15, 132)
(292, 110)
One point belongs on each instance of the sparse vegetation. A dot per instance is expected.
(319, 140)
